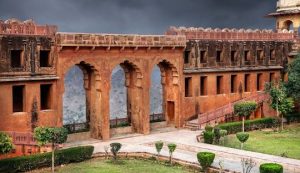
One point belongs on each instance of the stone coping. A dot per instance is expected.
(229, 69)
(119, 40)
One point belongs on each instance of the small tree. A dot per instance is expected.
(5, 143)
(293, 83)
(205, 159)
(159, 145)
(115, 148)
(172, 148)
(52, 135)
(244, 109)
(242, 137)
(279, 100)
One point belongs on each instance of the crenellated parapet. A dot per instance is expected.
(118, 40)
(27, 27)
(230, 34)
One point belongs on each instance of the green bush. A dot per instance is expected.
(159, 145)
(208, 128)
(223, 133)
(27, 163)
(217, 135)
(270, 168)
(205, 159)
(114, 148)
(208, 137)
(242, 137)
(5, 143)
(235, 127)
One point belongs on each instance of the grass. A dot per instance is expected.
(285, 143)
(124, 166)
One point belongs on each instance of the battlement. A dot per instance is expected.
(230, 34)
(118, 40)
(28, 27)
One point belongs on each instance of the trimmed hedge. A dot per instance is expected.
(208, 137)
(27, 163)
(205, 159)
(270, 168)
(235, 127)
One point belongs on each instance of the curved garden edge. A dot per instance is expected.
(146, 155)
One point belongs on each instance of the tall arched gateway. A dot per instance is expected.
(99, 54)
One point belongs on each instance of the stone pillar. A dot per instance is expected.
(104, 110)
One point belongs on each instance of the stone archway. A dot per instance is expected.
(91, 85)
(133, 84)
(288, 25)
(170, 91)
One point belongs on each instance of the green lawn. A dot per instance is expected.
(275, 143)
(126, 166)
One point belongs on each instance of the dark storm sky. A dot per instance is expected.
(140, 16)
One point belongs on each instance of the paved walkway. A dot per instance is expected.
(187, 147)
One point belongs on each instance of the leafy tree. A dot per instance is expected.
(159, 145)
(52, 135)
(245, 109)
(293, 83)
(279, 100)
(172, 148)
(115, 148)
(242, 137)
(5, 143)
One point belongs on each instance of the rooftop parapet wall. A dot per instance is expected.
(115, 40)
(28, 27)
(230, 34)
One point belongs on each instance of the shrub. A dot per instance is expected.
(242, 137)
(235, 127)
(172, 148)
(217, 135)
(205, 159)
(159, 145)
(114, 148)
(270, 168)
(208, 128)
(223, 134)
(27, 163)
(208, 137)
(5, 143)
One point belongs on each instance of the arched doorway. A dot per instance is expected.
(126, 95)
(169, 84)
(74, 98)
(81, 94)
(118, 99)
(156, 96)
(288, 25)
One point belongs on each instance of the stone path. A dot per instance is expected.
(187, 147)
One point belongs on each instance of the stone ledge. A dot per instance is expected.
(28, 78)
(119, 40)
(229, 69)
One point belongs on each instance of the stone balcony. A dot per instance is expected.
(119, 40)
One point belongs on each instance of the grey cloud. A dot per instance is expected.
(140, 16)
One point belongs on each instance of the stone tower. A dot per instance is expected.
(287, 16)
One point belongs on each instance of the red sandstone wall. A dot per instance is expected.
(213, 101)
(21, 121)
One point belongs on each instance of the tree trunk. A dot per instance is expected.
(53, 148)
(243, 128)
(242, 145)
(281, 122)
